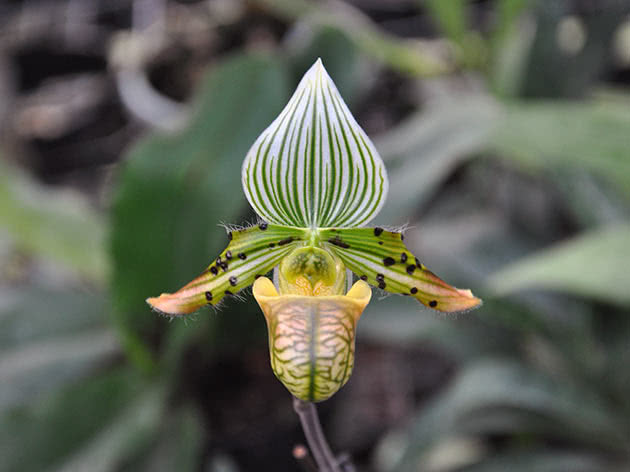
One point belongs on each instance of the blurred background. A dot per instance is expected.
(505, 126)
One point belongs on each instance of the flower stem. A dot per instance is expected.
(326, 461)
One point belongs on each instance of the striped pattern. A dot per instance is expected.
(314, 166)
(252, 252)
(381, 258)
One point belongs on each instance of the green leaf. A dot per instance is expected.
(55, 225)
(39, 436)
(252, 252)
(180, 445)
(414, 59)
(314, 166)
(35, 368)
(48, 338)
(542, 461)
(588, 265)
(424, 149)
(381, 258)
(508, 12)
(175, 189)
(118, 441)
(511, 41)
(593, 135)
(498, 396)
(451, 17)
(32, 314)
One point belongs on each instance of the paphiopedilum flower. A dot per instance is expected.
(315, 179)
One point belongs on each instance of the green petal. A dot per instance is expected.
(381, 258)
(314, 166)
(252, 252)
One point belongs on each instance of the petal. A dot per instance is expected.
(360, 294)
(311, 339)
(314, 166)
(382, 258)
(252, 252)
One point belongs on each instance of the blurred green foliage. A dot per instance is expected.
(586, 266)
(523, 196)
(591, 135)
(57, 226)
(175, 190)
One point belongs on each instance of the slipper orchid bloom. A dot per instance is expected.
(315, 179)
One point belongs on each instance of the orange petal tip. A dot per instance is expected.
(170, 305)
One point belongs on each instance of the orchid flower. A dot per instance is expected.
(315, 180)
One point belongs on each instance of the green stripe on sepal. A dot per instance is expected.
(252, 252)
(314, 166)
(381, 258)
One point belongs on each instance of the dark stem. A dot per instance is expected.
(315, 438)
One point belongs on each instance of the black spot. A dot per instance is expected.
(272, 244)
(230, 236)
(286, 241)
(403, 257)
(380, 277)
(402, 237)
(382, 285)
(410, 269)
(432, 303)
(388, 261)
(257, 276)
(406, 294)
(214, 270)
(223, 266)
(228, 255)
(414, 290)
(337, 241)
(380, 243)
(227, 292)
(219, 260)
(378, 231)
(363, 277)
(233, 281)
(418, 263)
(209, 296)
(262, 226)
(241, 255)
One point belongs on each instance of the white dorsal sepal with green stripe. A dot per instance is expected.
(314, 167)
